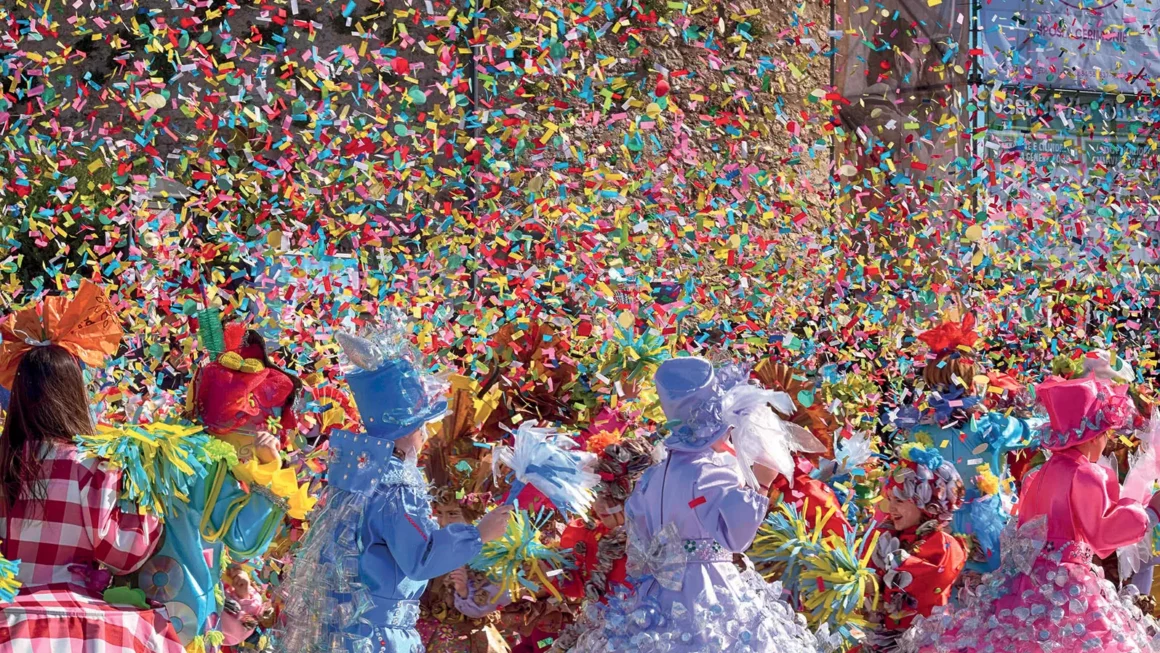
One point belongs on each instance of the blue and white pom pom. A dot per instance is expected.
(551, 462)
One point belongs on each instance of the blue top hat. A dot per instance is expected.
(691, 390)
(394, 396)
(394, 399)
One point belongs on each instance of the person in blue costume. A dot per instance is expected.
(220, 516)
(356, 582)
(974, 440)
(230, 509)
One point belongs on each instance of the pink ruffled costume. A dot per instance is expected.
(1047, 596)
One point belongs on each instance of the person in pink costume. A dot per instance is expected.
(1046, 595)
(245, 607)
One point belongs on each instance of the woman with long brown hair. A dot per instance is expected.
(60, 513)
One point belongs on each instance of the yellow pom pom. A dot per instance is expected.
(251, 366)
(231, 360)
(986, 481)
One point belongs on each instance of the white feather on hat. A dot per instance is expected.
(1107, 366)
(760, 436)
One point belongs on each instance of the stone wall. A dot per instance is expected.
(619, 144)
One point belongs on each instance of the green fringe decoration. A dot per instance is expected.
(829, 578)
(209, 330)
(160, 461)
(512, 561)
(217, 451)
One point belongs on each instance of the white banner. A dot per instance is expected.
(1095, 45)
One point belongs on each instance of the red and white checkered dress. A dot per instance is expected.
(82, 524)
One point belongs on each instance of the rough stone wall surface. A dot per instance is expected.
(619, 142)
(666, 116)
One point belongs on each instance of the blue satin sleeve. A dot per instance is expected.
(1009, 434)
(1018, 432)
(421, 549)
(256, 518)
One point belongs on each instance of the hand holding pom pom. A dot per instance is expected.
(493, 525)
(517, 555)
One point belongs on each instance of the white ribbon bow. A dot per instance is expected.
(663, 558)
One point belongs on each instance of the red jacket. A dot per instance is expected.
(578, 532)
(923, 580)
(813, 499)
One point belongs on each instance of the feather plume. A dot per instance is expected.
(760, 436)
(794, 382)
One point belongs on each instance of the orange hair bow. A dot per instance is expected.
(951, 335)
(1004, 381)
(83, 324)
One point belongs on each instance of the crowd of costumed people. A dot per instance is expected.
(713, 503)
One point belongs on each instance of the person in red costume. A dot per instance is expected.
(812, 498)
(917, 558)
(236, 395)
(599, 547)
(586, 540)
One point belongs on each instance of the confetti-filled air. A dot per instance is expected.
(528, 326)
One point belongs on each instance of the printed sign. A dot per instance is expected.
(1095, 45)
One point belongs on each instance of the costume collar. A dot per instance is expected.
(1073, 453)
(359, 463)
(402, 472)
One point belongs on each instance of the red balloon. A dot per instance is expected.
(662, 87)
(401, 65)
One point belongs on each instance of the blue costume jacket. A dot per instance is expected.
(187, 568)
(985, 439)
(376, 543)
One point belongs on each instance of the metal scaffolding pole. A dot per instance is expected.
(476, 126)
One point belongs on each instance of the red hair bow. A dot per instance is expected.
(949, 336)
